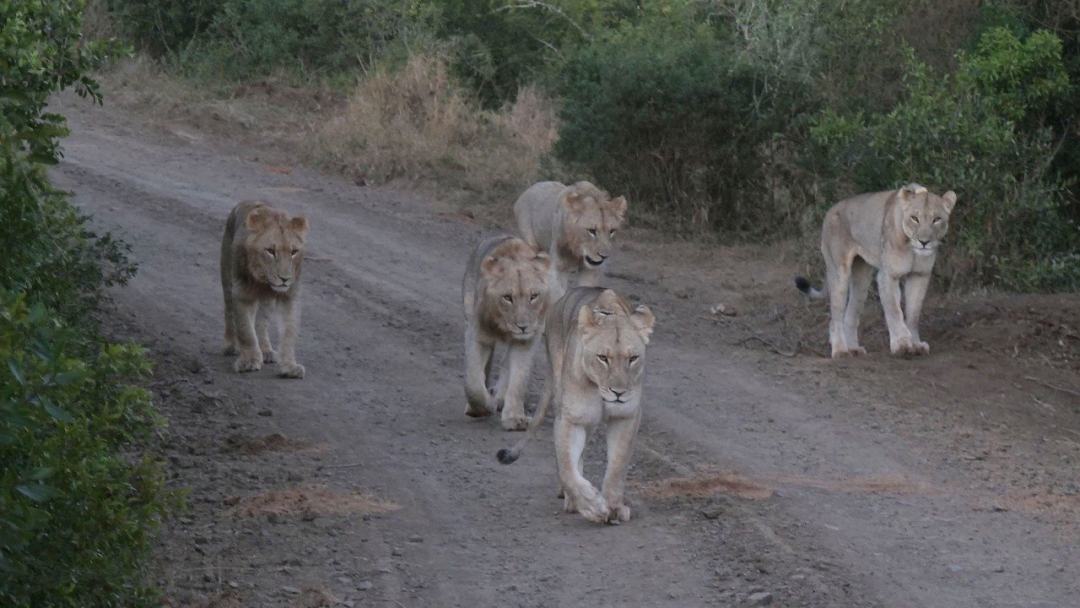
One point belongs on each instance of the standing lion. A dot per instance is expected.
(574, 224)
(261, 254)
(896, 232)
(505, 294)
(596, 368)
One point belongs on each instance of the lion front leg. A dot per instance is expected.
(621, 433)
(519, 362)
(478, 355)
(289, 368)
(580, 494)
(915, 287)
(250, 358)
(262, 330)
(900, 342)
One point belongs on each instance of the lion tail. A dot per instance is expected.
(803, 285)
(510, 455)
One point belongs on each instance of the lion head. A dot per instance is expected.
(613, 339)
(274, 247)
(592, 219)
(926, 217)
(516, 288)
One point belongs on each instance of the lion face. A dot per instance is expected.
(613, 346)
(593, 219)
(516, 288)
(926, 217)
(275, 247)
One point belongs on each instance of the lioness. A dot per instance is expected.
(261, 255)
(505, 292)
(574, 224)
(596, 358)
(896, 232)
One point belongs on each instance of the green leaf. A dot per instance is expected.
(37, 492)
(16, 372)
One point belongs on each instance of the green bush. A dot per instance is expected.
(666, 112)
(76, 511)
(237, 39)
(966, 133)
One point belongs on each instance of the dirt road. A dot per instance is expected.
(757, 479)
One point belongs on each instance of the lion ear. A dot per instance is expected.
(950, 201)
(618, 207)
(543, 261)
(256, 219)
(299, 225)
(491, 268)
(644, 320)
(574, 202)
(911, 190)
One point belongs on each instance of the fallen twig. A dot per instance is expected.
(772, 346)
(1056, 388)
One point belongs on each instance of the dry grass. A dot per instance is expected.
(416, 123)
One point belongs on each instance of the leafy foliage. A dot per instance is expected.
(75, 513)
(966, 133)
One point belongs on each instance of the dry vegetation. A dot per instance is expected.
(413, 123)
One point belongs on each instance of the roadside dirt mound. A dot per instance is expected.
(307, 501)
(274, 442)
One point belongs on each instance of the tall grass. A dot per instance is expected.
(415, 123)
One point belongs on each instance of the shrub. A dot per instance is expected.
(77, 515)
(237, 39)
(75, 512)
(963, 133)
(666, 112)
(416, 122)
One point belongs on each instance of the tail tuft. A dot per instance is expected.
(803, 284)
(507, 456)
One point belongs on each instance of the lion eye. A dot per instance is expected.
(270, 251)
(508, 298)
(603, 359)
(937, 220)
(915, 219)
(612, 234)
(634, 359)
(533, 297)
(295, 251)
(591, 231)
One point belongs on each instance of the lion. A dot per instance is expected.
(574, 224)
(506, 295)
(896, 232)
(596, 363)
(261, 254)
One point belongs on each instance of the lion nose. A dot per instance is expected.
(285, 279)
(618, 393)
(924, 243)
(522, 327)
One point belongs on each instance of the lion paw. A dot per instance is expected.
(568, 505)
(474, 410)
(515, 423)
(595, 510)
(269, 356)
(619, 514)
(291, 370)
(902, 347)
(839, 353)
(248, 362)
(921, 348)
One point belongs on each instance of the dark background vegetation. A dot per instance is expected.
(77, 509)
(747, 117)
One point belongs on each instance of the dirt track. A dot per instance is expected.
(364, 484)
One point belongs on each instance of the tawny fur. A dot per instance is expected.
(596, 366)
(506, 297)
(575, 224)
(896, 232)
(262, 252)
